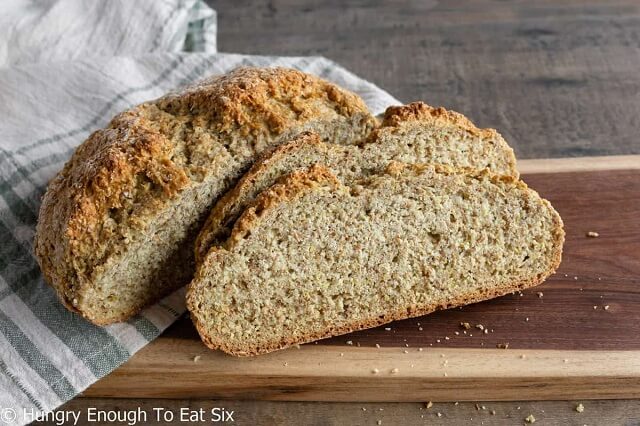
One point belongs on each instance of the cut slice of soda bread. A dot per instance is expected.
(117, 224)
(312, 257)
(414, 133)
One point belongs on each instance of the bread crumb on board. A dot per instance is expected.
(530, 419)
(502, 345)
(579, 408)
(196, 358)
(428, 405)
(593, 234)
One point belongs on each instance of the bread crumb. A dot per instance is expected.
(579, 408)
(606, 308)
(502, 346)
(394, 371)
(341, 353)
(439, 414)
(593, 234)
(405, 351)
(387, 328)
(445, 374)
(446, 337)
(540, 294)
(466, 325)
(565, 360)
(420, 328)
(419, 349)
(486, 331)
(457, 333)
(377, 346)
(493, 412)
(196, 358)
(595, 307)
(285, 364)
(530, 419)
(527, 319)
(350, 342)
(364, 409)
(437, 340)
(379, 422)
(480, 326)
(375, 371)
(575, 278)
(523, 356)
(428, 405)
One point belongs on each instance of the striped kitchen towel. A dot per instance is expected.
(66, 67)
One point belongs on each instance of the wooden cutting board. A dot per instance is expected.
(577, 336)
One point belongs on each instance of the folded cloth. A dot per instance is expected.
(48, 107)
(57, 30)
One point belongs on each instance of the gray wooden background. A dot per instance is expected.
(556, 78)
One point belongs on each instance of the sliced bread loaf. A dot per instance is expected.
(312, 257)
(117, 224)
(414, 133)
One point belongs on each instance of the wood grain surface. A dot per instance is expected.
(550, 413)
(329, 373)
(578, 332)
(556, 78)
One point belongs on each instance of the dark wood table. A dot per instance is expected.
(558, 79)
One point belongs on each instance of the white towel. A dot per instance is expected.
(66, 67)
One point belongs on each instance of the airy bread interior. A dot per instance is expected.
(312, 257)
(414, 133)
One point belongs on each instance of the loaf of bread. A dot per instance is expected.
(312, 257)
(117, 224)
(414, 133)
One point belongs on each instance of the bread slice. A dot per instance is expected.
(312, 258)
(118, 223)
(414, 133)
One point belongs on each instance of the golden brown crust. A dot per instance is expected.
(222, 208)
(287, 188)
(253, 103)
(299, 183)
(420, 111)
(254, 100)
